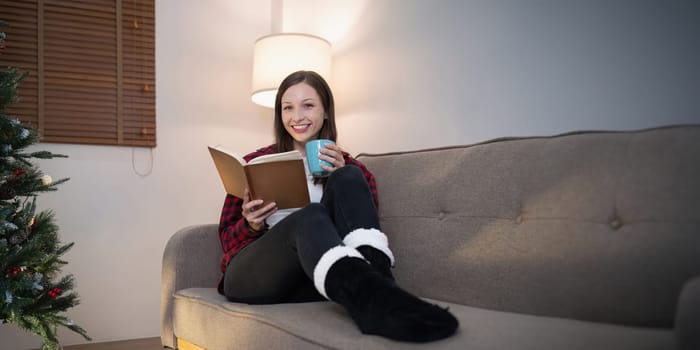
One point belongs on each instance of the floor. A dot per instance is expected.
(134, 344)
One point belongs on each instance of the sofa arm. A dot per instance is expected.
(191, 259)
(688, 316)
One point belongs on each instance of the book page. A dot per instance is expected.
(275, 157)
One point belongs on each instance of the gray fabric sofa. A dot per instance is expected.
(588, 240)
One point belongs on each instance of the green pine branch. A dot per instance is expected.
(33, 295)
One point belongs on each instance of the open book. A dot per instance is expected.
(278, 177)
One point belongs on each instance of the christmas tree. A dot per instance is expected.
(32, 294)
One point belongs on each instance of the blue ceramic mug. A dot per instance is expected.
(313, 150)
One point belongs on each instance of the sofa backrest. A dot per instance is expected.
(598, 226)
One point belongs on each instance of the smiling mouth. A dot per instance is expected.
(301, 128)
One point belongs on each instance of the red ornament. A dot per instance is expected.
(17, 174)
(13, 271)
(53, 293)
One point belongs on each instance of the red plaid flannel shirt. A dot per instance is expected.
(235, 233)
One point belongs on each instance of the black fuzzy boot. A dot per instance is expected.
(374, 247)
(378, 306)
(377, 259)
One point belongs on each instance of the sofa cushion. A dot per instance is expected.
(207, 319)
(597, 226)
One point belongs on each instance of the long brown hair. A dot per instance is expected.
(284, 141)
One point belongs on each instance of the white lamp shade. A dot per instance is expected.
(276, 56)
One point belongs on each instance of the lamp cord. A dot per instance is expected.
(133, 163)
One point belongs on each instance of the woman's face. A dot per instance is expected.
(302, 114)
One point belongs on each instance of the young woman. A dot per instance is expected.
(333, 247)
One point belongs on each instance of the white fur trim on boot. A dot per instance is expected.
(371, 237)
(327, 260)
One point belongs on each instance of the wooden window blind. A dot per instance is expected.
(91, 69)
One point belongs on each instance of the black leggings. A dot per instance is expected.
(278, 266)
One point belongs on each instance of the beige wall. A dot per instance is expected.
(407, 75)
